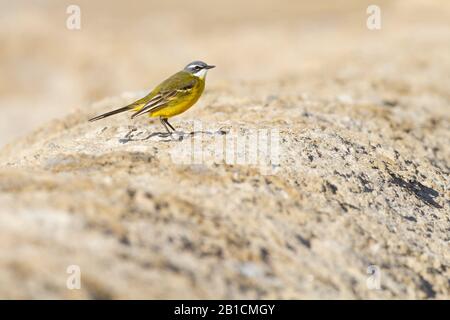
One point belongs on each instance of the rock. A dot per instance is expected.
(316, 166)
(349, 188)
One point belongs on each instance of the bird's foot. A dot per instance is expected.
(128, 135)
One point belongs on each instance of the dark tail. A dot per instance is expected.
(111, 113)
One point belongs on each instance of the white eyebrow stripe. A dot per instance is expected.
(201, 73)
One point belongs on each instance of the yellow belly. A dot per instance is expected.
(179, 105)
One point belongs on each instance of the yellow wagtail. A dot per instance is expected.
(173, 96)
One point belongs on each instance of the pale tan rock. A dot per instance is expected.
(140, 224)
(362, 180)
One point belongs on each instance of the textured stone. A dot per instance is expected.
(362, 180)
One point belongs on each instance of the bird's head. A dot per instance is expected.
(198, 68)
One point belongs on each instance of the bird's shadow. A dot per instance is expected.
(174, 136)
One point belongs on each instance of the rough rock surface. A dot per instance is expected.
(361, 183)
(357, 184)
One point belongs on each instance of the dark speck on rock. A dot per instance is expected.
(423, 193)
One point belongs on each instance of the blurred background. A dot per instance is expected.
(48, 70)
(363, 117)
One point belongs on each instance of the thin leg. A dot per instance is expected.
(130, 132)
(167, 122)
(163, 121)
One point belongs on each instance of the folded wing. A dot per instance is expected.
(175, 88)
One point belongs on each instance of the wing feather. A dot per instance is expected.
(173, 88)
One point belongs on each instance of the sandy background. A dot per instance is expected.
(48, 70)
(363, 178)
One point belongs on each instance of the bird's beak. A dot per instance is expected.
(210, 67)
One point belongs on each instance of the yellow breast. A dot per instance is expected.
(181, 104)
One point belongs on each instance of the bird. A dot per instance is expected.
(171, 97)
